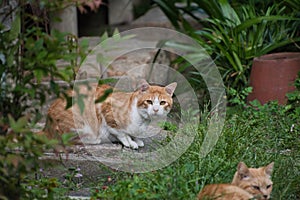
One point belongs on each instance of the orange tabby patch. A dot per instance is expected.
(247, 183)
(61, 120)
(224, 192)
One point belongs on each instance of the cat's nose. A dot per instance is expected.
(265, 196)
(155, 109)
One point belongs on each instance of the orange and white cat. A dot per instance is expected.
(122, 116)
(247, 183)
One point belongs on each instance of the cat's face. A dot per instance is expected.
(155, 101)
(256, 181)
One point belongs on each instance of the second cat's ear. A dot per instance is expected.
(269, 169)
(171, 88)
(243, 170)
(144, 85)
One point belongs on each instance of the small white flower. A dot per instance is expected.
(78, 175)
(292, 128)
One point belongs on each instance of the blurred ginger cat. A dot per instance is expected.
(121, 116)
(247, 183)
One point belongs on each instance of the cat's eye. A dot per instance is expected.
(256, 187)
(149, 102)
(268, 186)
(163, 103)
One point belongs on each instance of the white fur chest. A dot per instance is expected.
(138, 125)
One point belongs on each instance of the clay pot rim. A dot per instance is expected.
(279, 56)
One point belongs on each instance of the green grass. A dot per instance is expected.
(254, 137)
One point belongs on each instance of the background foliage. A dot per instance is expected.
(28, 76)
(234, 33)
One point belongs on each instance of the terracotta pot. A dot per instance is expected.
(272, 76)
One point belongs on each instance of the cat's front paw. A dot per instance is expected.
(128, 142)
(139, 142)
(133, 145)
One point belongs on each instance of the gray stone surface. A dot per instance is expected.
(152, 18)
(120, 11)
(68, 20)
(91, 161)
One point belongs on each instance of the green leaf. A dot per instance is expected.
(268, 48)
(54, 87)
(39, 44)
(212, 8)
(104, 96)
(116, 35)
(103, 38)
(80, 102)
(229, 13)
(15, 28)
(19, 125)
(84, 43)
(107, 81)
(250, 22)
(68, 137)
(69, 100)
(255, 103)
(238, 62)
(38, 73)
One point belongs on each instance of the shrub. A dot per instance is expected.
(28, 74)
(233, 34)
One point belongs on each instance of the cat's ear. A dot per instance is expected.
(243, 171)
(269, 169)
(144, 85)
(171, 88)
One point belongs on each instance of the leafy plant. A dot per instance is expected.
(169, 126)
(245, 36)
(28, 75)
(43, 188)
(73, 179)
(20, 150)
(233, 36)
(239, 98)
(293, 105)
(24, 69)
